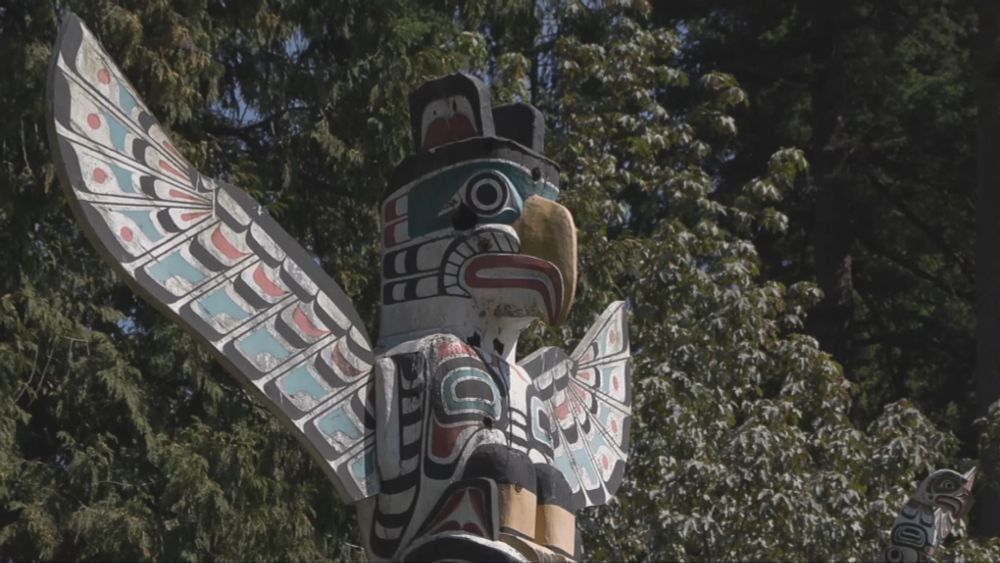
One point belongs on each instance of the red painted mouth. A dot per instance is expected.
(518, 271)
(448, 129)
(950, 503)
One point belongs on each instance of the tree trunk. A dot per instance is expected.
(987, 252)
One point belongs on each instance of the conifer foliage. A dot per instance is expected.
(120, 439)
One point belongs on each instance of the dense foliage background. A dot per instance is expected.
(785, 191)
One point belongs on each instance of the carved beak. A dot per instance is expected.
(970, 478)
(547, 232)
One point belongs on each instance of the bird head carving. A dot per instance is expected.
(473, 240)
(948, 489)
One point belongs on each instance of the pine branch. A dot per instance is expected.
(907, 265)
(933, 235)
(215, 127)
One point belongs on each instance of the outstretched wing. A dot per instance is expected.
(208, 256)
(587, 401)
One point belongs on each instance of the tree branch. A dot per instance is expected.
(217, 127)
(936, 237)
(912, 268)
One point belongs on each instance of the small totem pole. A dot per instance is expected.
(943, 498)
(448, 445)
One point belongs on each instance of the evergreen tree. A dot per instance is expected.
(743, 445)
(987, 259)
(879, 95)
(122, 439)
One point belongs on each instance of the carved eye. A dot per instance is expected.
(487, 193)
(947, 485)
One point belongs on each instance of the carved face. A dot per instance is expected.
(473, 242)
(948, 489)
(486, 231)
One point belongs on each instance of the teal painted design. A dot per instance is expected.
(603, 417)
(597, 440)
(116, 130)
(431, 195)
(364, 466)
(143, 220)
(539, 433)
(301, 380)
(260, 341)
(337, 422)
(564, 466)
(454, 404)
(585, 464)
(125, 99)
(174, 264)
(219, 302)
(123, 176)
(605, 378)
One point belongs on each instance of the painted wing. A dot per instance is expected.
(586, 399)
(208, 256)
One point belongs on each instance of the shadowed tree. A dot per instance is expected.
(987, 256)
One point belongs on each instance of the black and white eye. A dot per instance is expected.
(487, 193)
(947, 485)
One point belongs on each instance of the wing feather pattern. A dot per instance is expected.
(206, 254)
(587, 400)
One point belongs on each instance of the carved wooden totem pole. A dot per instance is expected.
(943, 498)
(449, 447)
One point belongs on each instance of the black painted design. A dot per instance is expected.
(475, 340)
(416, 166)
(466, 88)
(523, 123)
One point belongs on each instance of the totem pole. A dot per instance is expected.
(943, 498)
(449, 447)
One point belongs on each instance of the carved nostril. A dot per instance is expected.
(464, 218)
